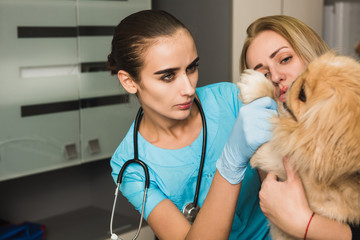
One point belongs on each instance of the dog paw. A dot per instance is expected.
(254, 85)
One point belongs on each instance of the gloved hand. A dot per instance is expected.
(251, 129)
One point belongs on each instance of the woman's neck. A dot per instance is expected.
(170, 133)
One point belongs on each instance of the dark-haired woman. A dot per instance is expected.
(155, 57)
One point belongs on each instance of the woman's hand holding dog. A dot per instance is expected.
(285, 204)
(287, 207)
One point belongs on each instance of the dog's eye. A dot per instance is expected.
(302, 96)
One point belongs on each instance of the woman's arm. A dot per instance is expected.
(214, 220)
(285, 204)
(324, 228)
(167, 221)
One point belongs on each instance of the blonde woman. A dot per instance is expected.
(280, 47)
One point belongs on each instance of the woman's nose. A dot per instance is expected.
(277, 76)
(187, 87)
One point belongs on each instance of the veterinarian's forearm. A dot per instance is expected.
(324, 228)
(212, 223)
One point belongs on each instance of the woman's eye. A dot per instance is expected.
(267, 75)
(192, 68)
(285, 60)
(167, 76)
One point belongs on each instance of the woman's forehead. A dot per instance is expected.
(264, 46)
(178, 48)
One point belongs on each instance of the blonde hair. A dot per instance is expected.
(305, 41)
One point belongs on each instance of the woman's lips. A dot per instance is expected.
(184, 106)
(283, 91)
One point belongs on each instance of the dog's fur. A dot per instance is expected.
(320, 134)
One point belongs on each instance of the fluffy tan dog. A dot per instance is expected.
(319, 130)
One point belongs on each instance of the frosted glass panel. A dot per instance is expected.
(94, 48)
(48, 71)
(37, 51)
(17, 53)
(104, 126)
(108, 12)
(58, 104)
(36, 144)
(108, 125)
(32, 136)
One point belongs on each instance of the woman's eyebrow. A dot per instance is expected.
(166, 70)
(276, 52)
(193, 62)
(258, 66)
(176, 69)
(271, 56)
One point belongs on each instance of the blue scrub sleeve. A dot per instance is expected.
(133, 186)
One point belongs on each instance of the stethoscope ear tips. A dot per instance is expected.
(114, 236)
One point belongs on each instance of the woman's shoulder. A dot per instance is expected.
(222, 88)
(222, 94)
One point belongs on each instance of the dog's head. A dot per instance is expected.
(324, 124)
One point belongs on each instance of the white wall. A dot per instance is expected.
(342, 25)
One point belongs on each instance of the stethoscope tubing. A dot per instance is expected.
(119, 179)
(113, 212)
(203, 150)
(146, 171)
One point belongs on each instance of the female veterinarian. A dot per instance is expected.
(155, 57)
(280, 47)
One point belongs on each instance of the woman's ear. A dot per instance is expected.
(127, 82)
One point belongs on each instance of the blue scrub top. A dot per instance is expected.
(173, 173)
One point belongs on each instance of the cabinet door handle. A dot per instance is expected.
(94, 146)
(70, 151)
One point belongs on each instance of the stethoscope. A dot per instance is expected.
(190, 210)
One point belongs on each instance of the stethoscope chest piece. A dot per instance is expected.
(190, 211)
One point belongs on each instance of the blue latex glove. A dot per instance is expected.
(251, 129)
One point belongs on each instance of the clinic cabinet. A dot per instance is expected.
(59, 106)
